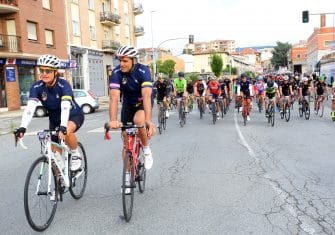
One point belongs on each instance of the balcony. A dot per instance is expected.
(110, 19)
(110, 45)
(138, 9)
(10, 43)
(139, 31)
(8, 6)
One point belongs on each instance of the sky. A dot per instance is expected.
(248, 22)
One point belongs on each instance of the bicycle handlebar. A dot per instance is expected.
(127, 126)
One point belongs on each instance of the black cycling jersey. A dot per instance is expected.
(320, 87)
(227, 83)
(244, 87)
(304, 88)
(189, 88)
(285, 88)
(161, 88)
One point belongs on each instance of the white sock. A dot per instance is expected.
(146, 150)
(75, 151)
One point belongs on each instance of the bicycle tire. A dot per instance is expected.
(77, 187)
(128, 198)
(322, 107)
(164, 120)
(141, 173)
(213, 107)
(200, 107)
(222, 108)
(259, 106)
(287, 111)
(34, 224)
(160, 122)
(307, 111)
(272, 114)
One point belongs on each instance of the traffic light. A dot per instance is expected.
(191, 39)
(305, 17)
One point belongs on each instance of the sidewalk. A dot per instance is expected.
(11, 119)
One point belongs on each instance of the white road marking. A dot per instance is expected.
(284, 196)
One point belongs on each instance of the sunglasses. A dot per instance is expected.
(47, 71)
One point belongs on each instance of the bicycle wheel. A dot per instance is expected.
(259, 106)
(213, 108)
(164, 120)
(128, 197)
(272, 116)
(160, 124)
(141, 173)
(282, 114)
(244, 114)
(301, 111)
(307, 110)
(287, 112)
(39, 205)
(322, 107)
(78, 178)
(222, 108)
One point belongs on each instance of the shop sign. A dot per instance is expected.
(26, 62)
(10, 74)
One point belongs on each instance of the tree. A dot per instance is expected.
(280, 54)
(192, 76)
(230, 70)
(216, 64)
(168, 67)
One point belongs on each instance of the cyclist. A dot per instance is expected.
(213, 92)
(228, 83)
(333, 100)
(224, 92)
(285, 91)
(134, 80)
(271, 91)
(190, 91)
(320, 88)
(260, 89)
(180, 90)
(57, 98)
(304, 90)
(162, 92)
(199, 90)
(244, 90)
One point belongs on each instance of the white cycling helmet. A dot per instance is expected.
(304, 79)
(48, 61)
(127, 51)
(285, 78)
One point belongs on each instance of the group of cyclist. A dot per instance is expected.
(134, 81)
(281, 88)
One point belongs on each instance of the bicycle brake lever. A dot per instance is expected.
(21, 143)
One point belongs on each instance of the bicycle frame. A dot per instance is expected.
(46, 149)
(133, 139)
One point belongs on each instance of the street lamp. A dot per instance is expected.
(152, 48)
(190, 38)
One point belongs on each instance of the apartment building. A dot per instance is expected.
(96, 29)
(320, 43)
(298, 57)
(84, 34)
(208, 47)
(24, 36)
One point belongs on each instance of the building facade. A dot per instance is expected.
(96, 29)
(83, 34)
(24, 36)
(298, 57)
(319, 44)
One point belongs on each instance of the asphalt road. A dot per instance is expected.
(206, 179)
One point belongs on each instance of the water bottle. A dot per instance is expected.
(59, 161)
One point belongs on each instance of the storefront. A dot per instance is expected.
(3, 99)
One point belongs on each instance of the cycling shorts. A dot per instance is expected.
(128, 112)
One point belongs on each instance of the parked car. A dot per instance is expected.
(85, 99)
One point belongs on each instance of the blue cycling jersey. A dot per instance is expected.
(131, 83)
(51, 98)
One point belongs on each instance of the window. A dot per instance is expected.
(32, 30)
(91, 4)
(116, 6)
(49, 37)
(126, 19)
(75, 28)
(92, 33)
(75, 1)
(298, 56)
(46, 4)
(116, 30)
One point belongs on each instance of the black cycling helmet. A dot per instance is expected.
(243, 75)
(181, 74)
(270, 83)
